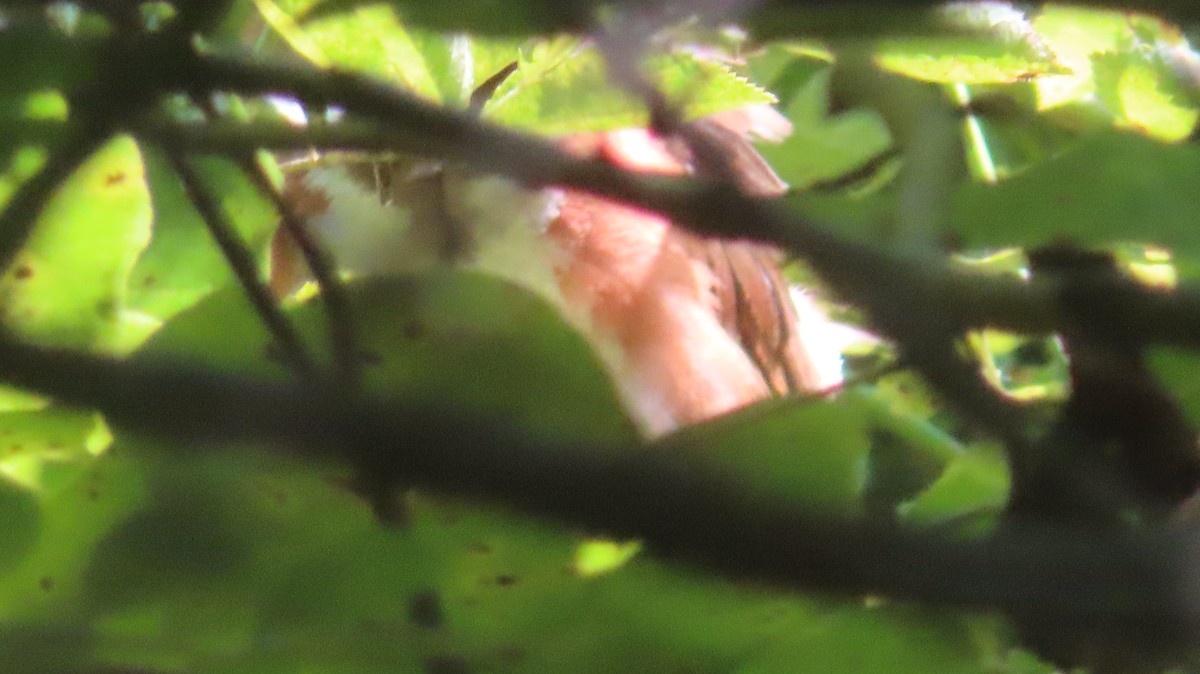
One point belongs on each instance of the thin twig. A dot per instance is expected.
(241, 261)
(343, 332)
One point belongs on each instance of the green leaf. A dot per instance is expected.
(822, 147)
(561, 87)
(1075, 34)
(24, 161)
(463, 338)
(48, 448)
(873, 640)
(1179, 372)
(233, 558)
(67, 285)
(182, 263)
(964, 61)
(372, 40)
(1144, 95)
(1109, 189)
(38, 57)
(45, 585)
(493, 17)
(974, 484)
(811, 452)
(369, 40)
(22, 523)
(1002, 48)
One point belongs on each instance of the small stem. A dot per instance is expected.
(343, 335)
(244, 267)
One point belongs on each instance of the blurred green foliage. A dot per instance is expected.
(125, 552)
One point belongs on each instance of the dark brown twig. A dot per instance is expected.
(343, 331)
(291, 347)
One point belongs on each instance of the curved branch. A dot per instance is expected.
(1076, 580)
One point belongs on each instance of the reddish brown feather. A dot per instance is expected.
(653, 287)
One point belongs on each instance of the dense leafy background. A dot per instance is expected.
(121, 551)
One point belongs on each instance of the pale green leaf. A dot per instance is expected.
(999, 46)
(182, 263)
(67, 285)
(1143, 95)
(373, 40)
(463, 338)
(45, 449)
(563, 88)
(975, 483)
(963, 60)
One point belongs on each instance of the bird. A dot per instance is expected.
(704, 326)
(690, 327)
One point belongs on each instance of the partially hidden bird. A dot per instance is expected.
(690, 327)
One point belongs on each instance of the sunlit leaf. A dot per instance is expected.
(1001, 46)
(1076, 34)
(1143, 95)
(45, 449)
(67, 286)
(182, 263)
(372, 40)
(598, 557)
(563, 87)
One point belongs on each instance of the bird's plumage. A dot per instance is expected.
(691, 327)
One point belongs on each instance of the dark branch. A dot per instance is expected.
(1078, 580)
(343, 331)
(971, 300)
(244, 267)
